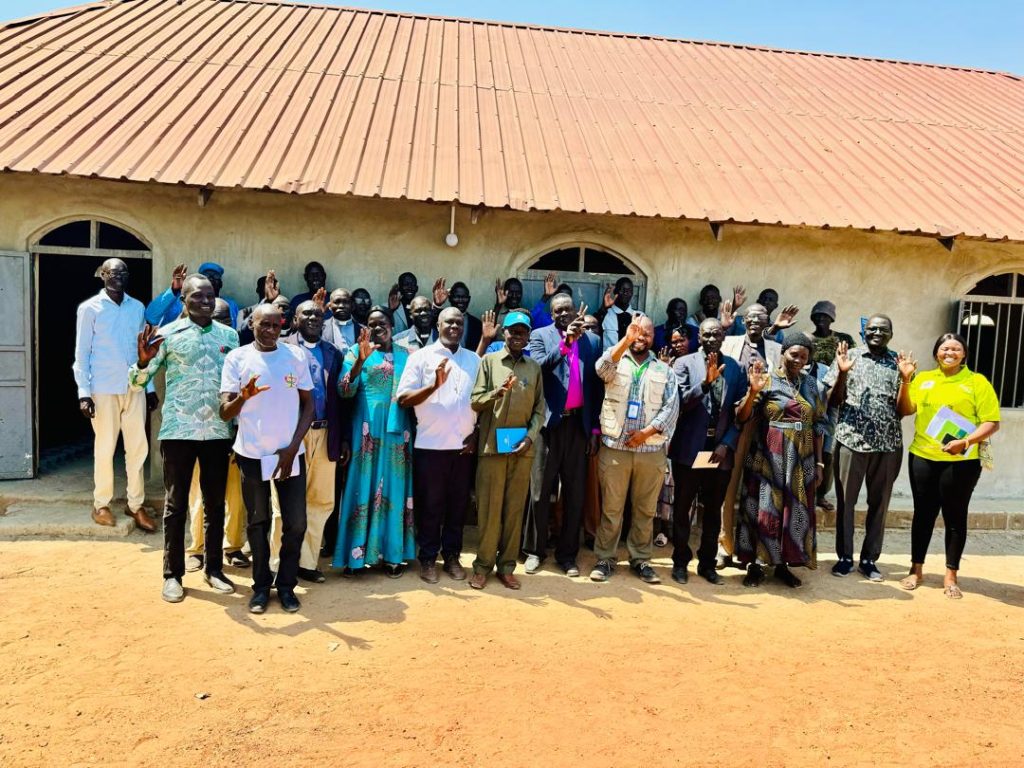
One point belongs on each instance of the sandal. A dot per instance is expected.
(952, 591)
(911, 582)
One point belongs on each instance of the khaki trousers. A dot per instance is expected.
(641, 475)
(125, 415)
(502, 485)
(320, 478)
(234, 513)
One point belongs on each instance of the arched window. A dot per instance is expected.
(91, 237)
(587, 268)
(991, 318)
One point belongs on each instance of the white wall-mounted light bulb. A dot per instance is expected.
(451, 239)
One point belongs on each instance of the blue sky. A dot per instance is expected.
(976, 33)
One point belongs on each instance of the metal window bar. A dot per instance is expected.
(994, 329)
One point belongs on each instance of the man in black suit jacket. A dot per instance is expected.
(567, 355)
(458, 297)
(327, 442)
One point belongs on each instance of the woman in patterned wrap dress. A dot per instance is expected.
(776, 522)
(375, 521)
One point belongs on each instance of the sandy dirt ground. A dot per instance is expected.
(97, 670)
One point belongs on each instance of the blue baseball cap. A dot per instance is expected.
(516, 318)
(210, 266)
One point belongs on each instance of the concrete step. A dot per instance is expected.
(60, 520)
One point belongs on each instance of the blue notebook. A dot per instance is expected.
(509, 438)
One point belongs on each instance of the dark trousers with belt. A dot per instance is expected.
(180, 457)
(566, 444)
(441, 481)
(291, 494)
(711, 484)
(852, 469)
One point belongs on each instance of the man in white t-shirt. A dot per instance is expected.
(267, 387)
(437, 382)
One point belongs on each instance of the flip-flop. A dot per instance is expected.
(952, 591)
(911, 583)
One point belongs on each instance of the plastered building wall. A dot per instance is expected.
(368, 242)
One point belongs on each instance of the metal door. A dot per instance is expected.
(17, 450)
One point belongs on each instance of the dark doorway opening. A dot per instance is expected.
(64, 282)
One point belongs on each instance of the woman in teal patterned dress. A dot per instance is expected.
(375, 522)
(776, 521)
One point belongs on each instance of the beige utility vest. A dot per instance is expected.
(616, 396)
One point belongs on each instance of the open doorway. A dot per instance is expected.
(67, 259)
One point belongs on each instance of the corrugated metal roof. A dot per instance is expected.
(304, 99)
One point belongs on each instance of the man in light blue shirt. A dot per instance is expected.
(106, 332)
(167, 307)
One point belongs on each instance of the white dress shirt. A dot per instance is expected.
(106, 344)
(445, 419)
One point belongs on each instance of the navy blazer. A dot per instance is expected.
(544, 348)
(695, 408)
(338, 411)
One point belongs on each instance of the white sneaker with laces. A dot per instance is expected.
(532, 564)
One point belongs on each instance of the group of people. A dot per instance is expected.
(330, 426)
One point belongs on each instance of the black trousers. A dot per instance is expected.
(944, 486)
(179, 457)
(291, 494)
(566, 445)
(441, 481)
(712, 485)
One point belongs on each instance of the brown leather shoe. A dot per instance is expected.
(478, 580)
(142, 519)
(509, 580)
(428, 572)
(103, 516)
(454, 569)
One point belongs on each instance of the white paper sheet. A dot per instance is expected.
(268, 464)
(703, 461)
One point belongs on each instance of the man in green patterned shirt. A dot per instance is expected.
(192, 349)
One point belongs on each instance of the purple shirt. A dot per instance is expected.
(574, 395)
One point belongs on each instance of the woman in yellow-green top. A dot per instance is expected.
(944, 464)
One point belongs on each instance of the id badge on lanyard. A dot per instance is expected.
(633, 410)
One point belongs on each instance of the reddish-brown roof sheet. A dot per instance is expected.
(302, 99)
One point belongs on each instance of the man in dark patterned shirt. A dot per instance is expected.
(869, 441)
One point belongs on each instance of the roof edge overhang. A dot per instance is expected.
(944, 235)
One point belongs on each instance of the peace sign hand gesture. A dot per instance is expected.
(148, 344)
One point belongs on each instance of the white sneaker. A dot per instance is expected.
(173, 592)
(219, 582)
(532, 563)
(661, 540)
